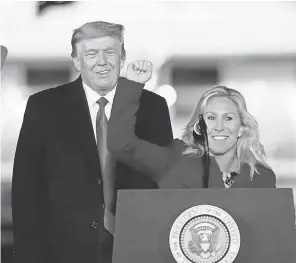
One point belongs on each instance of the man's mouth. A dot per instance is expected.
(103, 73)
(219, 137)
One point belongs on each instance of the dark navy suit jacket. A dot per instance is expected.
(57, 194)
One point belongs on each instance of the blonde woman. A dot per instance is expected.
(236, 156)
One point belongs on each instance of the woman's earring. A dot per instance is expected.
(241, 132)
(196, 128)
(196, 132)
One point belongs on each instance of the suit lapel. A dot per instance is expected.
(194, 171)
(215, 180)
(81, 126)
(242, 180)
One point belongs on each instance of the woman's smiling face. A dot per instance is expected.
(224, 125)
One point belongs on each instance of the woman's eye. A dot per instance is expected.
(211, 118)
(229, 118)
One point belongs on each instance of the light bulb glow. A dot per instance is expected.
(169, 93)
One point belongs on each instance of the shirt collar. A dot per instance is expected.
(92, 96)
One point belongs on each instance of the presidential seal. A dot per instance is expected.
(204, 234)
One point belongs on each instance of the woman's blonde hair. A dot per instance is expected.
(249, 149)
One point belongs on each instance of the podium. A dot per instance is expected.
(265, 219)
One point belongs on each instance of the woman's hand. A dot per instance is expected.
(139, 71)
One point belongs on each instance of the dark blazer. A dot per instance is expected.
(167, 165)
(57, 199)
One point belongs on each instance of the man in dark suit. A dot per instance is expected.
(64, 179)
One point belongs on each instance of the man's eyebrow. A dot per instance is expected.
(91, 50)
(109, 47)
(96, 50)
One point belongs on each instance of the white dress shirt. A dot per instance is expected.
(92, 98)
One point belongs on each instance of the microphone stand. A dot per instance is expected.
(206, 156)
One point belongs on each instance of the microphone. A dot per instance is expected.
(4, 52)
(200, 134)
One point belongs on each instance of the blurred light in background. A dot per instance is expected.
(169, 93)
(13, 103)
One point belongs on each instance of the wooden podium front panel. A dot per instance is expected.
(265, 217)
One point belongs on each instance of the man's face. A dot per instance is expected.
(99, 62)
